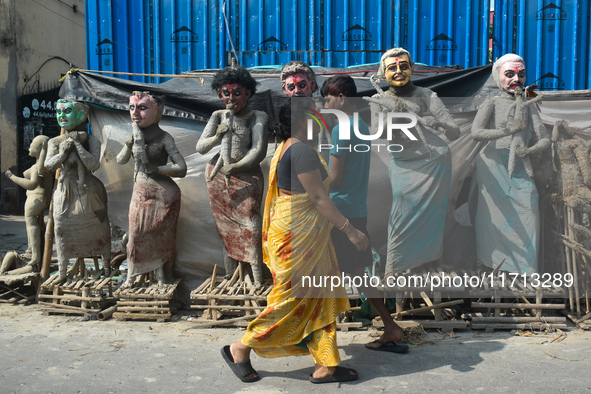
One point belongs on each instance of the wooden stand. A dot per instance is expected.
(146, 300)
(525, 311)
(577, 260)
(235, 301)
(86, 292)
(19, 289)
(516, 316)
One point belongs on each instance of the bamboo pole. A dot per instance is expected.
(426, 308)
(106, 313)
(85, 294)
(568, 260)
(571, 215)
(142, 296)
(221, 322)
(229, 307)
(574, 245)
(450, 324)
(519, 319)
(509, 305)
(69, 297)
(153, 309)
(147, 316)
(518, 326)
(142, 303)
(582, 319)
(210, 312)
(68, 307)
(239, 297)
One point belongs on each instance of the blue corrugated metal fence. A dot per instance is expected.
(172, 36)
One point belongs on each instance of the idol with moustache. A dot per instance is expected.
(507, 220)
(420, 174)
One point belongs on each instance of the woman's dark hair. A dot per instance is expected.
(284, 129)
(299, 106)
(234, 75)
(338, 84)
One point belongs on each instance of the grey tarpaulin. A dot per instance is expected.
(189, 103)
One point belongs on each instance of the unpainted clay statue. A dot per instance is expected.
(574, 167)
(156, 199)
(420, 174)
(38, 183)
(234, 176)
(80, 199)
(507, 221)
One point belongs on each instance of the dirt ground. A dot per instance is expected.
(69, 354)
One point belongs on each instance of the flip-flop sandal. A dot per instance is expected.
(392, 347)
(341, 374)
(241, 369)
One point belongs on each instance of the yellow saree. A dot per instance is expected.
(298, 320)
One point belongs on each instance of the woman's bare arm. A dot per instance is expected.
(312, 183)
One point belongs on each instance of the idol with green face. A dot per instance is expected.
(70, 114)
(80, 198)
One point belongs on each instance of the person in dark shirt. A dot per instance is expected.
(349, 188)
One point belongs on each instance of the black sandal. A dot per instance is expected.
(341, 374)
(241, 369)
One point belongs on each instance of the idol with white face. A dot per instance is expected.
(511, 76)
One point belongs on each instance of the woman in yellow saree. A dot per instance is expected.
(300, 317)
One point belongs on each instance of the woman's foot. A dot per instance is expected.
(322, 372)
(395, 334)
(241, 353)
(237, 356)
(333, 374)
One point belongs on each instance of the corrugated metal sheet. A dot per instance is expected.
(155, 36)
(445, 32)
(335, 33)
(358, 32)
(272, 32)
(553, 37)
(172, 36)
